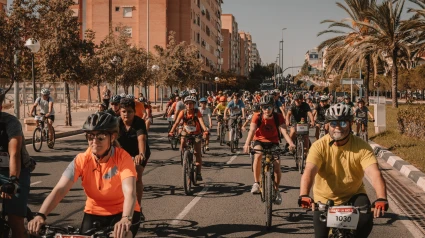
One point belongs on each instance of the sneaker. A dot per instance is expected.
(228, 143)
(198, 177)
(278, 198)
(207, 148)
(255, 188)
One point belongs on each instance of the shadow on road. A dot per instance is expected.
(169, 227)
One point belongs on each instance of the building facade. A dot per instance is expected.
(231, 43)
(316, 58)
(244, 54)
(255, 55)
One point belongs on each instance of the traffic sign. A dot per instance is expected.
(351, 81)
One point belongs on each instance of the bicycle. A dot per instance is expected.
(222, 130)
(363, 128)
(189, 166)
(41, 133)
(234, 134)
(322, 131)
(342, 220)
(267, 192)
(204, 146)
(97, 231)
(300, 156)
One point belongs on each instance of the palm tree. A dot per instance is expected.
(389, 37)
(344, 47)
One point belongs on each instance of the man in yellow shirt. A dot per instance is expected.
(337, 164)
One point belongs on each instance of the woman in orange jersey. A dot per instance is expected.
(108, 177)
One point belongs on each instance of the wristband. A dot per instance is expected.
(41, 215)
(128, 217)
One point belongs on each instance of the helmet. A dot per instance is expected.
(298, 96)
(339, 112)
(190, 99)
(130, 96)
(116, 99)
(192, 91)
(223, 99)
(236, 95)
(184, 94)
(360, 100)
(203, 100)
(220, 92)
(266, 100)
(256, 107)
(172, 97)
(324, 98)
(346, 96)
(123, 95)
(45, 91)
(101, 122)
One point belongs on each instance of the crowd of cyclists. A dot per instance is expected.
(118, 151)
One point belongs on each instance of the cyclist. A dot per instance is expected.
(299, 110)
(15, 164)
(108, 178)
(179, 105)
(193, 93)
(192, 125)
(237, 109)
(102, 107)
(46, 108)
(170, 102)
(337, 164)
(266, 135)
(140, 107)
(217, 98)
(115, 106)
(133, 137)
(206, 116)
(278, 106)
(149, 116)
(347, 101)
(319, 115)
(255, 109)
(361, 113)
(219, 110)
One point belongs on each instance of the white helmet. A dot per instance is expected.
(190, 98)
(130, 96)
(324, 98)
(45, 91)
(192, 91)
(339, 112)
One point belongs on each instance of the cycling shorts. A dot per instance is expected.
(18, 204)
(106, 221)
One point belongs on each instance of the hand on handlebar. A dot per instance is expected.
(305, 201)
(8, 190)
(246, 148)
(122, 228)
(380, 205)
(170, 134)
(35, 225)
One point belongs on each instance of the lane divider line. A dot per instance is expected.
(233, 158)
(35, 183)
(189, 206)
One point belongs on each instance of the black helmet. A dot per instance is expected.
(298, 96)
(266, 100)
(101, 122)
(339, 112)
(116, 99)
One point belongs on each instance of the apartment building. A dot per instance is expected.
(231, 44)
(316, 58)
(245, 54)
(255, 55)
(148, 23)
(249, 40)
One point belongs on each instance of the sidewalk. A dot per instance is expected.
(78, 116)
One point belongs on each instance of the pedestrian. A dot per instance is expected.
(106, 95)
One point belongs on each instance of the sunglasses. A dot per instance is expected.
(268, 107)
(98, 136)
(189, 103)
(342, 124)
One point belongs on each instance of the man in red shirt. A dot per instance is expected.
(265, 136)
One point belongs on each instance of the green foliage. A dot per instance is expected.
(411, 121)
(304, 68)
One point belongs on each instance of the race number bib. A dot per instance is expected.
(71, 236)
(343, 217)
(4, 160)
(190, 129)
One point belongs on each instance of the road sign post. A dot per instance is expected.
(351, 81)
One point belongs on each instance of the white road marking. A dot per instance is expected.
(35, 183)
(189, 206)
(233, 158)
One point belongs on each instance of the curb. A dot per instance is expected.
(408, 170)
(76, 132)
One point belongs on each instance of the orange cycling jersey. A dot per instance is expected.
(192, 119)
(102, 182)
(140, 107)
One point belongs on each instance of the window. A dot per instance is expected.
(129, 31)
(208, 15)
(198, 2)
(208, 31)
(198, 38)
(199, 20)
(117, 29)
(117, 9)
(127, 11)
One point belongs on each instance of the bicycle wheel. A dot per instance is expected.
(269, 196)
(181, 156)
(300, 153)
(193, 170)
(51, 143)
(222, 135)
(37, 139)
(204, 150)
(187, 182)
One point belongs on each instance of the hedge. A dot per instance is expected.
(411, 121)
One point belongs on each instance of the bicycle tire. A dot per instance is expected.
(187, 183)
(193, 170)
(181, 156)
(37, 139)
(204, 150)
(300, 152)
(269, 197)
(51, 146)
(222, 135)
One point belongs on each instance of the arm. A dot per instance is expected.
(370, 115)
(201, 122)
(252, 129)
(177, 118)
(378, 183)
(286, 135)
(210, 120)
(50, 109)
(310, 115)
(33, 108)
(129, 191)
(243, 112)
(141, 143)
(225, 113)
(288, 117)
(14, 147)
(307, 178)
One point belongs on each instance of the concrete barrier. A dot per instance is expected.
(30, 124)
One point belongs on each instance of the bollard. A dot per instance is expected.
(172, 188)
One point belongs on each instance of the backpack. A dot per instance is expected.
(276, 121)
(195, 118)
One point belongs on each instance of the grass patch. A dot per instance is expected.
(408, 148)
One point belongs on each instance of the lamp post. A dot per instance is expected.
(281, 58)
(34, 46)
(216, 79)
(115, 61)
(155, 68)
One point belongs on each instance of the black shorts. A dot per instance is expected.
(106, 221)
(51, 117)
(264, 144)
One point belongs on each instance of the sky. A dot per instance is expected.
(265, 19)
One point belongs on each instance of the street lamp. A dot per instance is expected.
(216, 79)
(34, 46)
(155, 68)
(281, 58)
(115, 61)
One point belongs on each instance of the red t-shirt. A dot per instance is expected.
(190, 120)
(267, 132)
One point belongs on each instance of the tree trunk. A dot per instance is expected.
(68, 118)
(394, 80)
(89, 93)
(146, 89)
(98, 92)
(367, 79)
(125, 89)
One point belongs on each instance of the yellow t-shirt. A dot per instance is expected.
(220, 109)
(341, 169)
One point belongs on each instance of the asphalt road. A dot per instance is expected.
(221, 207)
